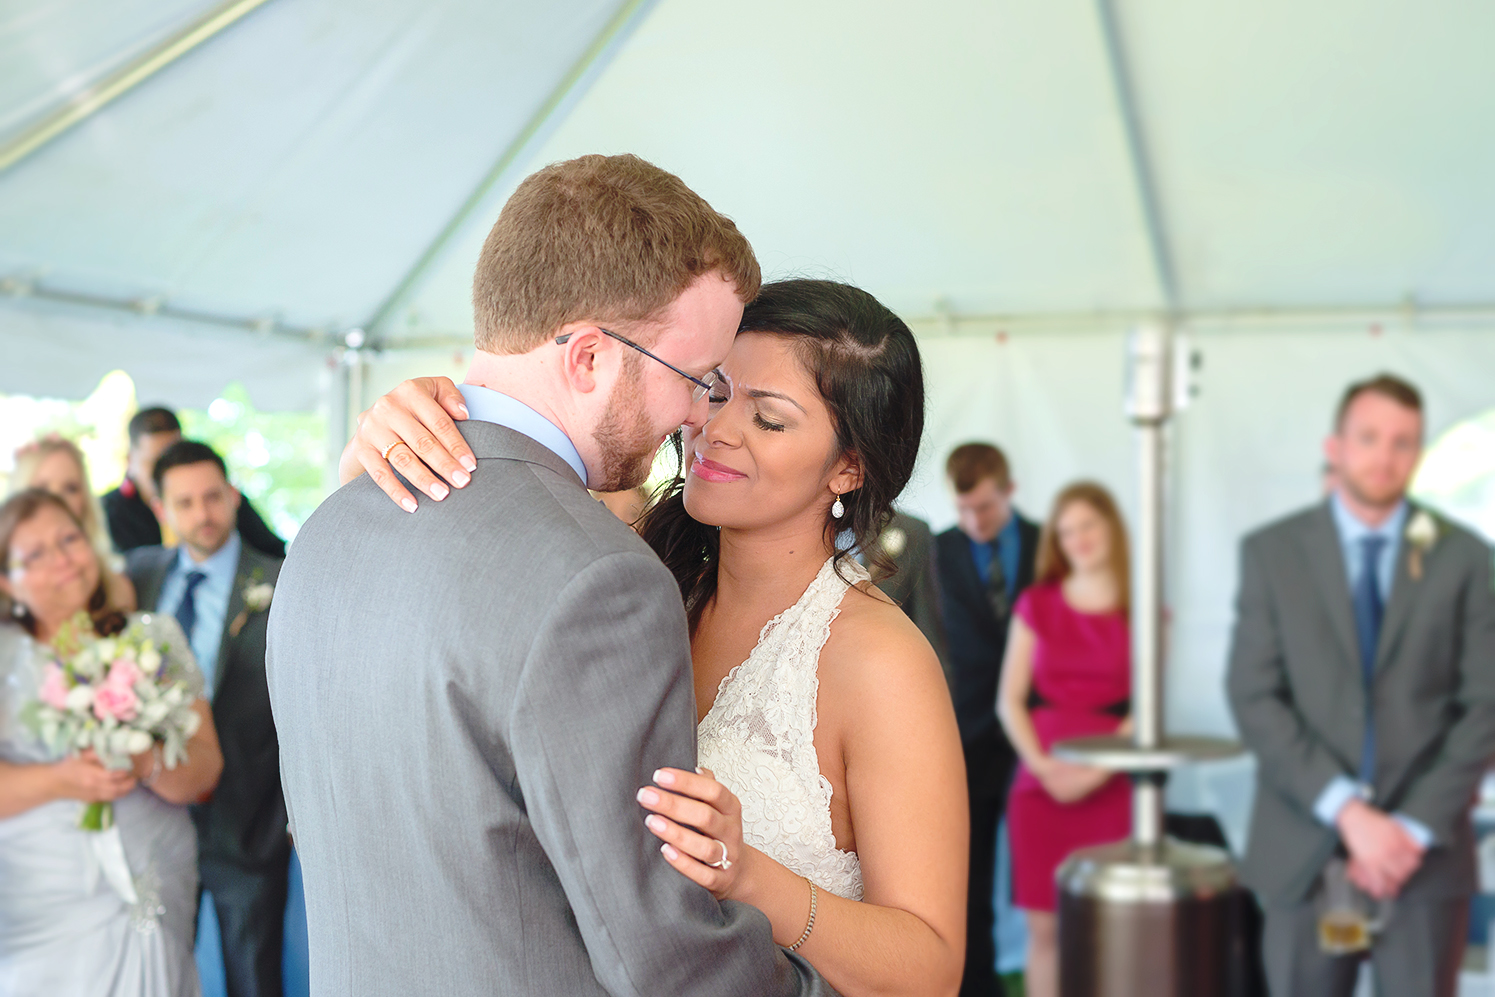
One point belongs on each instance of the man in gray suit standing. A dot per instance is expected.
(909, 544)
(469, 696)
(1362, 675)
(219, 588)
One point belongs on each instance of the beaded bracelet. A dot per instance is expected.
(810, 926)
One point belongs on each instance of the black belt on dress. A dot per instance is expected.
(1121, 708)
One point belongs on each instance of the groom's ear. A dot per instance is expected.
(580, 354)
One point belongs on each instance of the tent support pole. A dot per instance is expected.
(628, 14)
(1136, 142)
(121, 81)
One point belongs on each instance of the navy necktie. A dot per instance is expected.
(1369, 609)
(186, 613)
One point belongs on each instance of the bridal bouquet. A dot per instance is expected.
(117, 695)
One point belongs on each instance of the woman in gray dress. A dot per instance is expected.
(75, 920)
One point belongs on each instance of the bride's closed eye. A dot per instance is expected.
(762, 423)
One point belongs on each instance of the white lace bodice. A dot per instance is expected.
(758, 739)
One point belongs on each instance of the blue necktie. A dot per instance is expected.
(1369, 609)
(186, 613)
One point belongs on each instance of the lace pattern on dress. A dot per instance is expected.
(758, 738)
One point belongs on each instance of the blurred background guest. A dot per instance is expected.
(1067, 674)
(220, 589)
(983, 565)
(908, 542)
(134, 520)
(1362, 674)
(56, 465)
(64, 930)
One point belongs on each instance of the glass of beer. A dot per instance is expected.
(1349, 919)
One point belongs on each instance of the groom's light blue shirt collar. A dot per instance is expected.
(1351, 534)
(487, 405)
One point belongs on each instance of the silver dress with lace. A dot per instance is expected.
(64, 930)
(759, 739)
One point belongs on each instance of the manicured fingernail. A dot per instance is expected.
(460, 479)
(468, 461)
(648, 797)
(700, 771)
(407, 504)
(655, 822)
(664, 778)
(669, 851)
(463, 409)
(440, 491)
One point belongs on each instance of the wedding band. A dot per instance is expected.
(723, 863)
(384, 454)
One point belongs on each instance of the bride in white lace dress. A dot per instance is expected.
(833, 782)
(827, 736)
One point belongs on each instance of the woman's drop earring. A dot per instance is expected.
(838, 510)
(17, 610)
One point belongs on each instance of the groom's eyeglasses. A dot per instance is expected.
(703, 385)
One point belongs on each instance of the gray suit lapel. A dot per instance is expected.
(1325, 556)
(1404, 592)
(242, 573)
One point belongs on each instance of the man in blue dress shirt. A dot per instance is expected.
(219, 589)
(983, 565)
(1362, 675)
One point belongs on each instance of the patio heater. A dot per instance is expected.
(1150, 916)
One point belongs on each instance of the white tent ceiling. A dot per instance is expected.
(969, 157)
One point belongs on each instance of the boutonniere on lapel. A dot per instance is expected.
(257, 594)
(1422, 535)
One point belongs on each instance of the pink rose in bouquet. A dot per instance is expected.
(115, 702)
(116, 696)
(54, 687)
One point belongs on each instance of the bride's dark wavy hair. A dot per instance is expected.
(865, 364)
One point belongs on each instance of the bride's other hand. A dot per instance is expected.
(84, 777)
(419, 414)
(696, 817)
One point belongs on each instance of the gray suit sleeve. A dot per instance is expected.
(606, 697)
(1290, 755)
(1440, 799)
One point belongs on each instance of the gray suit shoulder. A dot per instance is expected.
(1288, 529)
(1470, 546)
(143, 562)
(252, 559)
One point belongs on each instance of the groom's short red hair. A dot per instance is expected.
(600, 238)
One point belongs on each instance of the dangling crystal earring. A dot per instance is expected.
(838, 510)
(17, 610)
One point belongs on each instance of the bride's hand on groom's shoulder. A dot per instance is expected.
(411, 430)
(700, 822)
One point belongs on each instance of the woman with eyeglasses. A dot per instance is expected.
(831, 793)
(65, 929)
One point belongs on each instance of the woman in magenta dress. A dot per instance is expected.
(1067, 674)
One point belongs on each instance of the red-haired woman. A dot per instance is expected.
(1067, 674)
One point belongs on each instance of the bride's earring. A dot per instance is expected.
(838, 510)
(17, 610)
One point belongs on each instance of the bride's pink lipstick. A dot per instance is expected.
(710, 470)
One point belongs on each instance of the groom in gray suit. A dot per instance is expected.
(470, 695)
(1363, 677)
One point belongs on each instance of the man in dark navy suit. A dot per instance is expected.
(984, 564)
